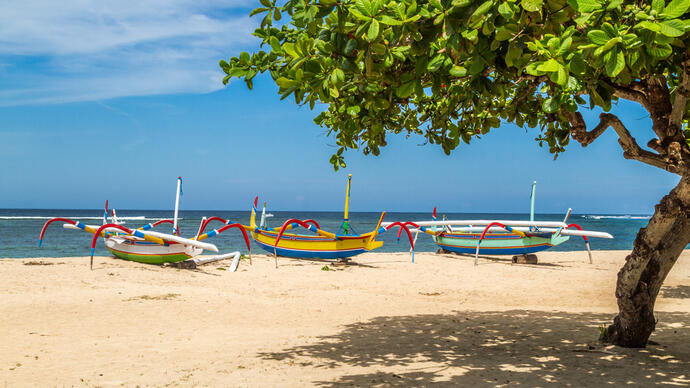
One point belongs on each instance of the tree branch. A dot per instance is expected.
(681, 98)
(631, 150)
(631, 93)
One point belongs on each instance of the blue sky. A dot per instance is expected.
(114, 101)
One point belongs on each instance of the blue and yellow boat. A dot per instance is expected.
(502, 237)
(320, 245)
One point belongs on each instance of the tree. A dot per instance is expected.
(451, 70)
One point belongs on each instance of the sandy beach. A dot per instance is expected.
(384, 322)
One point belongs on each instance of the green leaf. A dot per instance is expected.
(290, 49)
(675, 8)
(477, 66)
(225, 65)
(532, 5)
(373, 32)
(461, 3)
(244, 58)
(286, 83)
(615, 63)
(337, 77)
(435, 63)
(656, 27)
(673, 28)
(610, 30)
(614, 4)
(560, 76)
(266, 3)
(565, 46)
(658, 6)
(405, 90)
(362, 7)
(359, 16)
(577, 64)
(598, 37)
(550, 105)
(482, 9)
(549, 66)
(503, 33)
(659, 51)
(385, 19)
(352, 111)
(585, 6)
(257, 10)
(458, 71)
(531, 69)
(505, 10)
(275, 44)
(349, 46)
(514, 53)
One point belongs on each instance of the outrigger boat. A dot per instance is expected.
(323, 244)
(144, 245)
(502, 237)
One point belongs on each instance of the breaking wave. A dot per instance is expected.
(598, 217)
(134, 218)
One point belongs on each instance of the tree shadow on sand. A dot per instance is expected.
(528, 348)
(677, 292)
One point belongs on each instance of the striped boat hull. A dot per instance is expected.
(147, 252)
(313, 247)
(497, 243)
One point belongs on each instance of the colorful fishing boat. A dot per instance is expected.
(502, 237)
(320, 245)
(143, 244)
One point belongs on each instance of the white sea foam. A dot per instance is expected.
(141, 218)
(598, 217)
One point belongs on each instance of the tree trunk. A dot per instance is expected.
(655, 251)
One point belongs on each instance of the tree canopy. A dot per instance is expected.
(451, 70)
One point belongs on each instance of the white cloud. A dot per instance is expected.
(54, 52)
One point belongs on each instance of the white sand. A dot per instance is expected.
(437, 322)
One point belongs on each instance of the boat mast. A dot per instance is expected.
(262, 224)
(531, 208)
(177, 204)
(346, 226)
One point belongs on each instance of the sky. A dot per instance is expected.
(114, 100)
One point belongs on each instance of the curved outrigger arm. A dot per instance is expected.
(207, 221)
(72, 225)
(403, 226)
(291, 223)
(486, 230)
(154, 224)
(589, 251)
(214, 232)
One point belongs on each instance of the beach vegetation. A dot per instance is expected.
(450, 71)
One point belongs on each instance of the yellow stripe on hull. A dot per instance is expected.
(305, 246)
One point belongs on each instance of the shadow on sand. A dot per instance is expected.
(527, 348)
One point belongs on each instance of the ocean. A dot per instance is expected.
(19, 229)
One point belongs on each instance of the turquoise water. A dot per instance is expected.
(19, 229)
